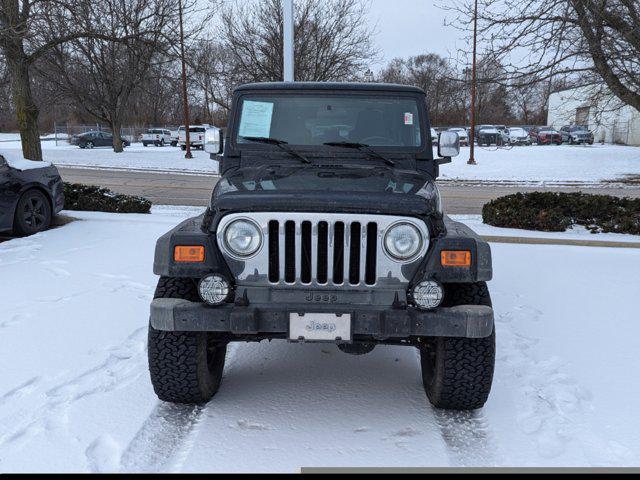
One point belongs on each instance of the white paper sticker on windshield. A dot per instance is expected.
(408, 118)
(256, 119)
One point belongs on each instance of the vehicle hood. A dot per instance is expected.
(325, 188)
(489, 131)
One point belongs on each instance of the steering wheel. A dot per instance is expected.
(379, 141)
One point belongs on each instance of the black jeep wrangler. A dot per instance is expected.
(326, 226)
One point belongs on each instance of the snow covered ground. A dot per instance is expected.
(547, 165)
(136, 157)
(75, 395)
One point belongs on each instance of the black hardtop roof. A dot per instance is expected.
(296, 86)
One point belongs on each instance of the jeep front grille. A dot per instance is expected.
(322, 250)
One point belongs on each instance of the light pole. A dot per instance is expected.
(288, 41)
(472, 160)
(185, 98)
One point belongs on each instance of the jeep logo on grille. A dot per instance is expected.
(321, 297)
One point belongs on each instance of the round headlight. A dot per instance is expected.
(214, 289)
(428, 294)
(243, 238)
(403, 241)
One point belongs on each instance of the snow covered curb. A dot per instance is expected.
(576, 233)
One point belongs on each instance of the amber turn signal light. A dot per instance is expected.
(455, 258)
(193, 254)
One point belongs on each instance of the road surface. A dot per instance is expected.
(195, 190)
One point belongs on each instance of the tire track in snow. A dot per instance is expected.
(468, 439)
(158, 444)
(166, 437)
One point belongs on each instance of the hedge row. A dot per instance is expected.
(555, 212)
(97, 199)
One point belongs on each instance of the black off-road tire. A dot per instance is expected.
(457, 372)
(185, 367)
(33, 213)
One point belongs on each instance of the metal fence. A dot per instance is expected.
(63, 132)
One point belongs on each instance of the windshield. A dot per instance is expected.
(314, 120)
(517, 131)
(579, 129)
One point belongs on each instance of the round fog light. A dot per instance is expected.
(214, 289)
(428, 294)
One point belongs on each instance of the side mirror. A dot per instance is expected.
(448, 144)
(213, 141)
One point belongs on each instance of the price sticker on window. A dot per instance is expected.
(408, 118)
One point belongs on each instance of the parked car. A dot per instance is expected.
(573, 134)
(175, 138)
(196, 136)
(518, 136)
(97, 139)
(75, 139)
(31, 193)
(462, 135)
(488, 135)
(347, 255)
(533, 134)
(156, 136)
(434, 136)
(548, 136)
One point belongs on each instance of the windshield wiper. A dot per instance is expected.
(363, 147)
(280, 144)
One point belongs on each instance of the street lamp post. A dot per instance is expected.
(472, 160)
(185, 98)
(288, 41)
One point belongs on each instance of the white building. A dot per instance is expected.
(608, 119)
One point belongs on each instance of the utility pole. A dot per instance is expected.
(185, 98)
(472, 160)
(289, 41)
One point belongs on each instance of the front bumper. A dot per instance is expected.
(368, 323)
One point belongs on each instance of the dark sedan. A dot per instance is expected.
(29, 196)
(96, 139)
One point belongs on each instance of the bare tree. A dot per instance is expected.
(448, 88)
(594, 41)
(333, 42)
(435, 75)
(100, 75)
(28, 30)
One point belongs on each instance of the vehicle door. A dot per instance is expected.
(107, 139)
(9, 188)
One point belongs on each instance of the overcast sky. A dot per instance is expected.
(410, 27)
